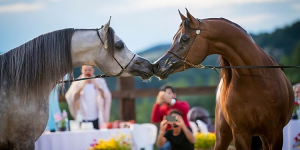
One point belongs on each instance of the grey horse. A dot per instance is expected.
(30, 71)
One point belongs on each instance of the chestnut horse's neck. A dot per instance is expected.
(235, 46)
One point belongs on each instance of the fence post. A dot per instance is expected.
(127, 104)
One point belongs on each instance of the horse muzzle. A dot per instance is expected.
(141, 67)
(166, 66)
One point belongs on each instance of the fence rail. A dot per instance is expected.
(127, 94)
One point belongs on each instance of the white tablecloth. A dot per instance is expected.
(74, 140)
(290, 131)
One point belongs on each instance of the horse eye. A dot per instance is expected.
(119, 44)
(185, 38)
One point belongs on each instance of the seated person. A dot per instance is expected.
(180, 136)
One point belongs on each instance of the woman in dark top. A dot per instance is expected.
(180, 136)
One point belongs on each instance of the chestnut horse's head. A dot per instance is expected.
(182, 54)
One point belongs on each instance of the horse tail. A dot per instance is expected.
(226, 73)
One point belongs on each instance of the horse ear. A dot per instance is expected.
(106, 26)
(191, 18)
(181, 15)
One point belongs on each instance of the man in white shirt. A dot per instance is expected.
(296, 89)
(92, 97)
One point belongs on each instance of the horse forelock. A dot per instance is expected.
(34, 68)
(111, 41)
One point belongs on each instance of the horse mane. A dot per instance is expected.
(33, 68)
(226, 73)
(238, 26)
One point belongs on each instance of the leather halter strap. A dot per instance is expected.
(122, 68)
(103, 75)
(184, 59)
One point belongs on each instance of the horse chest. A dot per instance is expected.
(234, 105)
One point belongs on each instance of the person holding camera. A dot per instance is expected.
(180, 136)
(166, 100)
(90, 98)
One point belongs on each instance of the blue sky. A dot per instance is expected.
(140, 23)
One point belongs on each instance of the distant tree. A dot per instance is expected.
(293, 60)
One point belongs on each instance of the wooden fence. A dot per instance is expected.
(127, 95)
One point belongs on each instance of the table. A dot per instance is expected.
(75, 140)
(290, 131)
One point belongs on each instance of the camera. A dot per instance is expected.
(171, 118)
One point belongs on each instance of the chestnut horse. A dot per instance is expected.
(250, 102)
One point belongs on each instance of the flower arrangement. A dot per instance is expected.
(296, 109)
(297, 141)
(61, 121)
(205, 141)
(119, 142)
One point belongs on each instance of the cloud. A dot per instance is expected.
(133, 6)
(296, 6)
(256, 18)
(20, 7)
(53, 0)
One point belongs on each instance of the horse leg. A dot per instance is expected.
(265, 143)
(22, 144)
(242, 139)
(276, 139)
(223, 131)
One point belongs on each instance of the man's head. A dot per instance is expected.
(296, 89)
(87, 71)
(175, 127)
(169, 93)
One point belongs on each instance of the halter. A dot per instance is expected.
(105, 47)
(184, 59)
(200, 66)
(103, 75)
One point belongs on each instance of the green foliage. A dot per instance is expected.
(283, 39)
(293, 60)
(143, 109)
(114, 111)
(64, 105)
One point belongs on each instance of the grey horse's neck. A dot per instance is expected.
(36, 66)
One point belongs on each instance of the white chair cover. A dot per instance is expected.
(152, 132)
(144, 135)
(194, 127)
(202, 126)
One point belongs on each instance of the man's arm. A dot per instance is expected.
(77, 96)
(189, 135)
(156, 115)
(161, 140)
(72, 96)
(107, 99)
